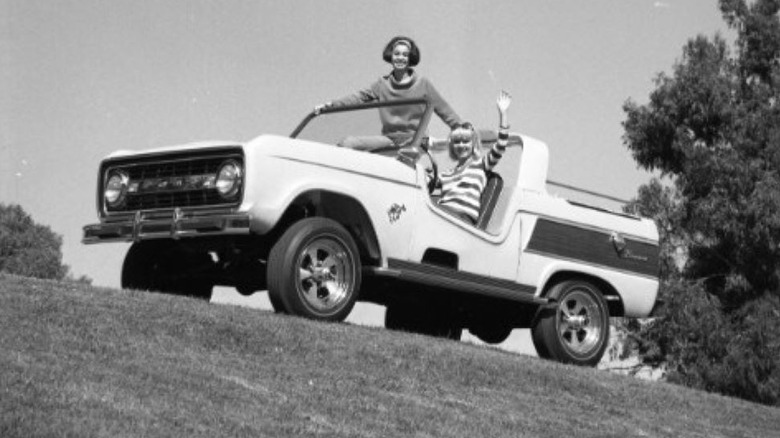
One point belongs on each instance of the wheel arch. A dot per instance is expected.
(610, 293)
(344, 209)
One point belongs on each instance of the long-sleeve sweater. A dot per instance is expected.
(402, 121)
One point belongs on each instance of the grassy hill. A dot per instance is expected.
(80, 361)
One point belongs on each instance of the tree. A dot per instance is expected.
(27, 248)
(712, 129)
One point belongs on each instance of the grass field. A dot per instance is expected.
(79, 361)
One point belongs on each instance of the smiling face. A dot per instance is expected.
(400, 56)
(461, 143)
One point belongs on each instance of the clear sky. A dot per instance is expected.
(81, 78)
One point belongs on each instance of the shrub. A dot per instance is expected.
(705, 346)
(27, 248)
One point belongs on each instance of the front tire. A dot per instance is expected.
(576, 330)
(314, 271)
(165, 266)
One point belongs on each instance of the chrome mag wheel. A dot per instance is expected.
(326, 274)
(580, 322)
(314, 270)
(575, 328)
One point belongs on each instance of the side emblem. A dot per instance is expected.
(394, 213)
(622, 249)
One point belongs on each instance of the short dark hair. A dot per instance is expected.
(414, 51)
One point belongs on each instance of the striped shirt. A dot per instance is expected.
(462, 186)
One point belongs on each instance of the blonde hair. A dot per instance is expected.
(476, 141)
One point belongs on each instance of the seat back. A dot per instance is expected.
(489, 198)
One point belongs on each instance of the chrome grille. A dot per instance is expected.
(171, 181)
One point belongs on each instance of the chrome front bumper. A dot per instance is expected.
(176, 224)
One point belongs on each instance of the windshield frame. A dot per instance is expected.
(418, 135)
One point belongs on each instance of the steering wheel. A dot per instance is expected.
(434, 169)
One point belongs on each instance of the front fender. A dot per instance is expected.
(279, 169)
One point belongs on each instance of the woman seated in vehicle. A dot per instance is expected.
(462, 186)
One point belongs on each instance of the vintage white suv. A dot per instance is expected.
(321, 226)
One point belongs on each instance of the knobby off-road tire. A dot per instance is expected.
(407, 318)
(314, 271)
(576, 330)
(164, 266)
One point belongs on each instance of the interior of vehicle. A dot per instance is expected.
(344, 126)
(501, 180)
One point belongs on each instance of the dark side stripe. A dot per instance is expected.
(593, 247)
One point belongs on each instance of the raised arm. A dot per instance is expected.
(495, 154)
(503, 102)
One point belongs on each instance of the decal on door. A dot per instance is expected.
(394, 213)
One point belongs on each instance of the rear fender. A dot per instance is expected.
(614, 301)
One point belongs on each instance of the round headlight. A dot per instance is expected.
(116, 188)
(228, 179)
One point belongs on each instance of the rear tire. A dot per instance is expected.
(576, 330)
(491, 334)
(314, 271)
(407, 318)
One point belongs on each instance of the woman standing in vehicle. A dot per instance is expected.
(399, 124)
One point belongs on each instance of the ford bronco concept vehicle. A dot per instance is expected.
(321, 226)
